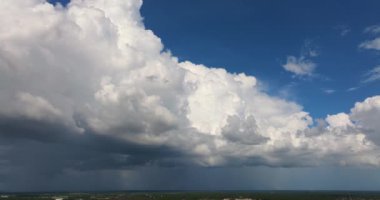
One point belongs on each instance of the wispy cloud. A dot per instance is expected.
(375, 29)
(373, 43)
(352, 89)
(343, 30)
(368, 77)
(329, 91)
(310, 49)
(372, 75)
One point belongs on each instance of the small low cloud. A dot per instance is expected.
(371, 44)
(303, 66)
(299, 66)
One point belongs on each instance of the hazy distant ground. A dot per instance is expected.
(267, 195)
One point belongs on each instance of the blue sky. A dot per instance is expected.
(255, 37)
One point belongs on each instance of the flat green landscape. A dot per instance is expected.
(263, 195)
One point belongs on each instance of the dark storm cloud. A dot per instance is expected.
(48, 148)
(38, 155)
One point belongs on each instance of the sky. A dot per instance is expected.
(189, 95)
(256, 37)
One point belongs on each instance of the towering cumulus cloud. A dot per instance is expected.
(88, 87)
